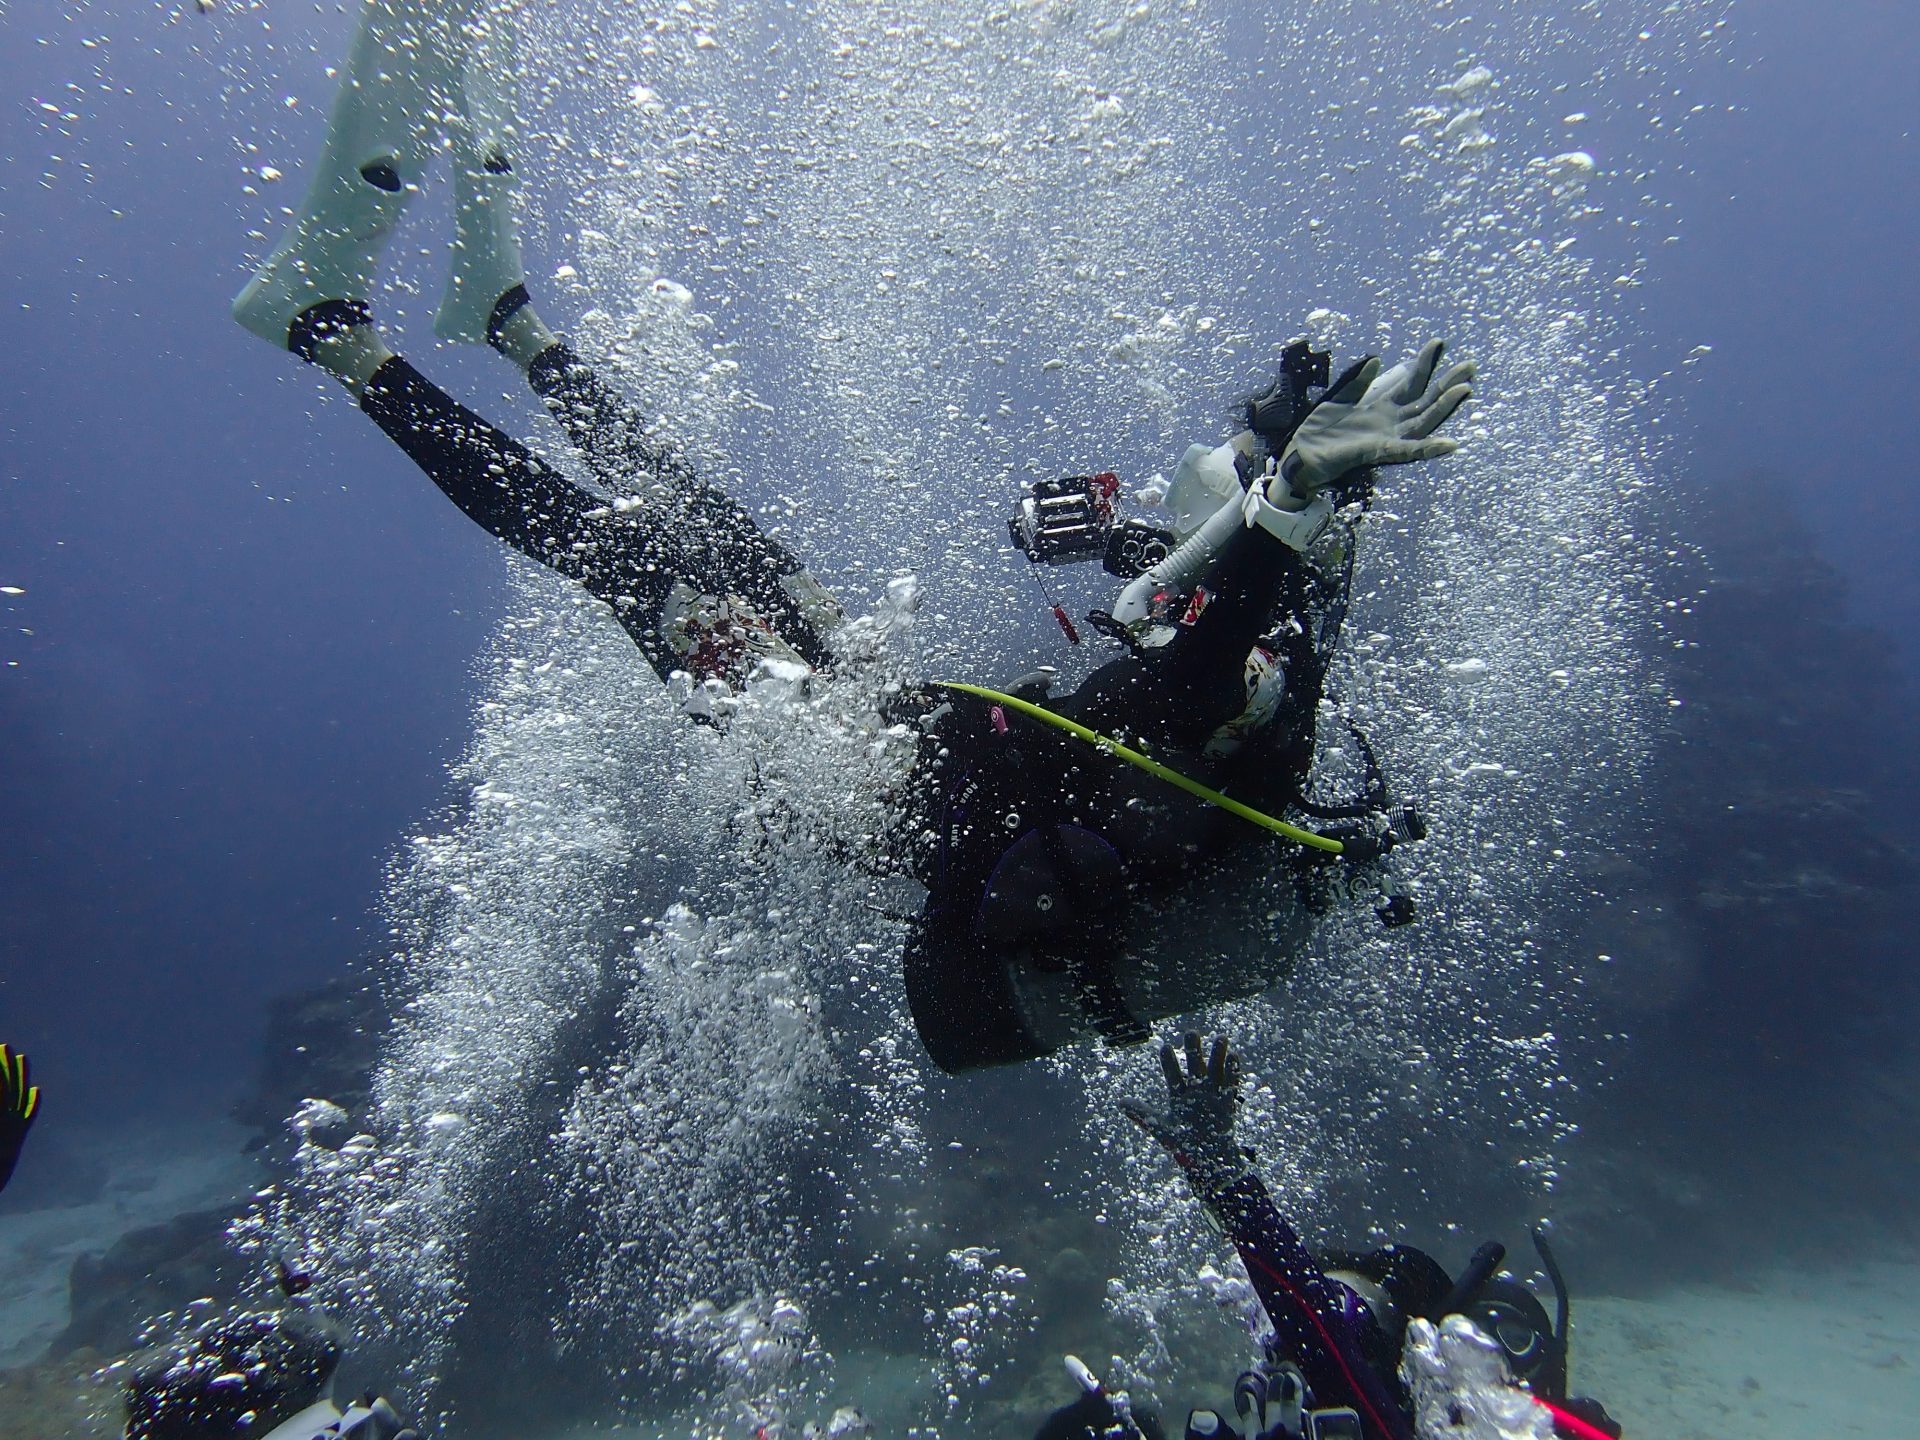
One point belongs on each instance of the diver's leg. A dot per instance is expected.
(610, 433)
(486, 301)
(496, 481)
(728, 553)
(400, 94)
(724, 551)
(529, 504)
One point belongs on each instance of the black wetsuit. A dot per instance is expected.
(1002, 806)
(1323, 1328)
(1319, 1324)
(1347, 1359)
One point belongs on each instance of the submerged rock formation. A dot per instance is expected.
(319, 1044)
(157, 1270)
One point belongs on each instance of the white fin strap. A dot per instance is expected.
(1296, 529)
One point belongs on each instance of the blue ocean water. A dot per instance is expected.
(244, 642)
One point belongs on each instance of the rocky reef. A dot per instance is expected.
(185, 1263)
(321, 1043)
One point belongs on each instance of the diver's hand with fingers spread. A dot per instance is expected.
(1197, 1126)
(1371, 417)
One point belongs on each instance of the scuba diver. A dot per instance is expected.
(1092, 862)
(19, 1106)
(1345, 1325)
(261, 1375)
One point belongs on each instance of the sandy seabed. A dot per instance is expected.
(1799, 1355)
(157, 1173)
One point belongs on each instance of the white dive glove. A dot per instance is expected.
(1372, 418)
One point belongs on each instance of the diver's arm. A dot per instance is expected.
(19, 1106)
(1182, 691)
(1308, 1311)
(1366, 418)
(1197, 1131)
(730, 553)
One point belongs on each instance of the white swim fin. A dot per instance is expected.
(402, 87)
(486, 243)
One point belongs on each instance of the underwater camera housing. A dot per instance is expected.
(1060, 521)
(1074, 518)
